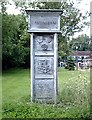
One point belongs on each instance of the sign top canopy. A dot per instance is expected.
(43, 10)
(44, 20)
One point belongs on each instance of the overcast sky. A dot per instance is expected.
(83, 6)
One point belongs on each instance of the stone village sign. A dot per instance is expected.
(44, 26)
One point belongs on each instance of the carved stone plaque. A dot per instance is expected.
(44, 67)
(44, 20)
(44, 89)
(44, 42)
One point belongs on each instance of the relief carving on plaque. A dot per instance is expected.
(44, 42)
(44, 66)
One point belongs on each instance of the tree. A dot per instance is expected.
(81, 43)
(3, 5)
(15, 40)
(70, 65)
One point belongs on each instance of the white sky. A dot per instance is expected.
(84, 6)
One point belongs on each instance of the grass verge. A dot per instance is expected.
(73, 96)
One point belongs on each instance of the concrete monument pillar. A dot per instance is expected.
(43, 25)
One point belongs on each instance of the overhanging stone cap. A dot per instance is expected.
(43, 10)
(44, 20)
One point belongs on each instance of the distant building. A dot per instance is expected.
(81, 58)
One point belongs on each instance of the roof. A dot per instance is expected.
(81, 53)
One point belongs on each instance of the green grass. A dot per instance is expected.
(72, 102)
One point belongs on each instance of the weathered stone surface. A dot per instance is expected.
(44, 67)
(44, 20)
(44, 42)
(44, 89)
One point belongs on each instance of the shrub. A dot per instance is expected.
(70, 65)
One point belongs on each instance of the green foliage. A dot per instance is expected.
(91, 43)
(15, 40)
(3, 5)
(63, 47)
(81, 43)
(73, 96)
(70, 65)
